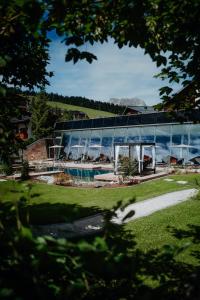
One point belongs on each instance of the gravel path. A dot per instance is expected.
(95, 224)
(147, 207)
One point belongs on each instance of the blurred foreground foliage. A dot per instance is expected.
(107, 266)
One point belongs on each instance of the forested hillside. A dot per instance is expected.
(84, 102)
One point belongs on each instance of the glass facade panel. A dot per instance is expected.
(120, 135)
(176, 139)
(95, 146)
(65, 143)
(180, 134)
(119, 139)
(133, 134)
(74, 146)
(194, 141)
(147, 134)
(65, 139)
(107, 142)
(163, 139)
(166, 137)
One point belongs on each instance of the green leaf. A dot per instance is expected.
(5, 293)
(26, 233)
(85, 247)
(100, 244)
(2, 62)
(2, 91)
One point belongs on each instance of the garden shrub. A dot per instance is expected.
(108, 266)
(128, 167)
(25, 170)
(63, 179)
(7, 169)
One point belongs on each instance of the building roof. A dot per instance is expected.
(142, 109)
(132, 120)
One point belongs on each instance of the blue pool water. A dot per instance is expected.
(86, 174)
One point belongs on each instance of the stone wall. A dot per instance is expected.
(38, 150)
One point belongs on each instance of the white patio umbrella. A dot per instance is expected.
(56, 146)
(95, 146)
(77, 146)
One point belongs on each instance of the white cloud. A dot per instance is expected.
(118, 73)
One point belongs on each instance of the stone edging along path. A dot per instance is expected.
(147, 207)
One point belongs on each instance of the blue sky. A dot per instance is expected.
(118, 73)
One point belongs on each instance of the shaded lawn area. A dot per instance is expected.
(178, 225)
(175, 225)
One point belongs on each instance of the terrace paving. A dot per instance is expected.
(82, 165)
(116, 178)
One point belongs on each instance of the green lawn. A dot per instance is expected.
(52, 204)
(164, 227)
(103, 198)
(91, 113)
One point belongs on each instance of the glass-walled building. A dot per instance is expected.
(176, 135)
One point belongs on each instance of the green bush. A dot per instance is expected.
(128, 167)
(107, 266)
(25, 170)
(7, 169)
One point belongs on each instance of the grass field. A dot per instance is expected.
(91, 113)
(52, 204)
(177, 225)
(103, 198)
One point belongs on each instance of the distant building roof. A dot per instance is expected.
(140, 109)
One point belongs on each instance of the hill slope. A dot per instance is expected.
(92, 113)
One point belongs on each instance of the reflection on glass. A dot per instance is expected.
(133, 134)
(165, 137)
(133, 139)
(147, 138)
(119, 139)
(176, 139)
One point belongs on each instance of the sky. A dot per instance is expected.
(118, 73)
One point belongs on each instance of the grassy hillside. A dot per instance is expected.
(92, 113)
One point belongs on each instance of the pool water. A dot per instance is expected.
(85, 174)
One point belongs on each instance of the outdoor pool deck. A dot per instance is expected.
(35, 174)
(106, 166)
(89, 166)
(73, 165)
(41, 169)
(111, 177)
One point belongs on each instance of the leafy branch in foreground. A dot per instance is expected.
(107, 266)
(167, 30)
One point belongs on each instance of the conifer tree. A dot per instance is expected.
(39, 116)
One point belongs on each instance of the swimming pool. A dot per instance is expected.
(85, 174)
